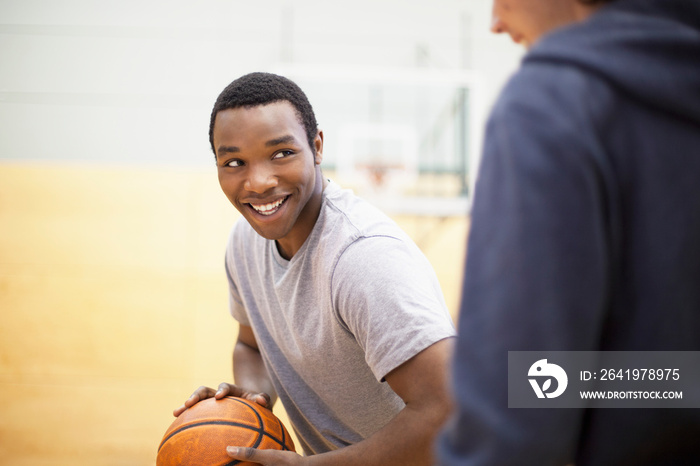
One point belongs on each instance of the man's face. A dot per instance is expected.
(526, 20)
(268, 171)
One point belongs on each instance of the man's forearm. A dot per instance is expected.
(249, 371)
(406, 440)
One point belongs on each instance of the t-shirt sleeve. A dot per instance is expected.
(388, 297)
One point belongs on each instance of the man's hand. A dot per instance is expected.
(266, 457)
(224, 390)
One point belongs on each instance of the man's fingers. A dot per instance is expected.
(242, 453)
(265, 457)
(223, 390)
(202, 393)
(178, 411)
(263, 399)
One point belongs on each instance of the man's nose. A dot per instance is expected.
(260, 179)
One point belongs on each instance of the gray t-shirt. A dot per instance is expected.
(355, 302)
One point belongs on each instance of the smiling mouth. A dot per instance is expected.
(270, 208)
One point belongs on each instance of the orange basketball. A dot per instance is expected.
(200, 435)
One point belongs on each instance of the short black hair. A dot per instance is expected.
(258, 88)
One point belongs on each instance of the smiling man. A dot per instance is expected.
(280, 196)
(341, 316)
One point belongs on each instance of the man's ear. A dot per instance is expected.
(318, 145)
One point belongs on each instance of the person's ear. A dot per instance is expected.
(318, 145)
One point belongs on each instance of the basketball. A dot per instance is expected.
(200, 435)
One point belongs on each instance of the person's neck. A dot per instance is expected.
(289, 246)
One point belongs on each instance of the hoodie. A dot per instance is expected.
(648, 49)
(585, 236)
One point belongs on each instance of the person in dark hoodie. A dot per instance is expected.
(585, 229)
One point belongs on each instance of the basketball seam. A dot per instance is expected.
(284, 439)
(260, 431)
(282, 442)
(262, 425)
(218, 423)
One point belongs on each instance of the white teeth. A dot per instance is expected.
(268, 209)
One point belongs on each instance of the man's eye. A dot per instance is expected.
(282, 154)
(234, 163)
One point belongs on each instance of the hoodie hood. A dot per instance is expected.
(649, 49)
